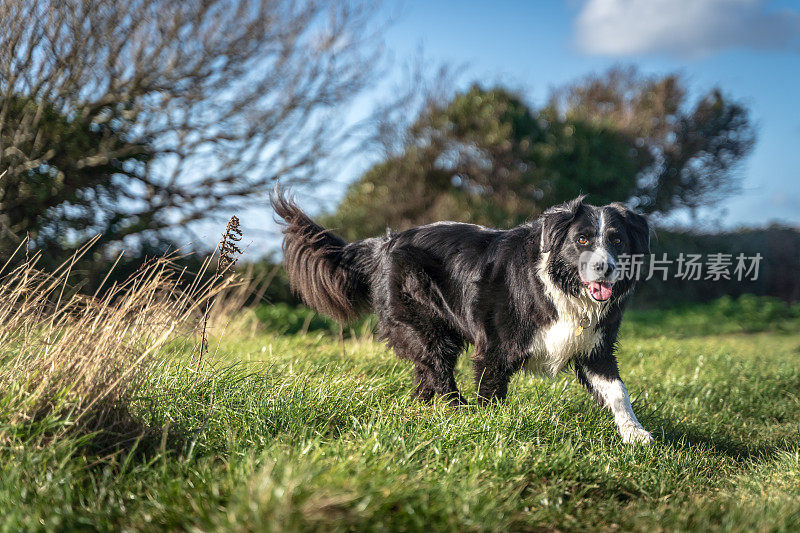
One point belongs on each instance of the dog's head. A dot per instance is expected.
(583, 245)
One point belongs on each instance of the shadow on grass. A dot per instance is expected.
(689, 436)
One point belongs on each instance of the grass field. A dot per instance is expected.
(296, 432)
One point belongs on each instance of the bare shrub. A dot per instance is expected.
(139, 117)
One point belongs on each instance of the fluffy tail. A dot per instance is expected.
(329, 274)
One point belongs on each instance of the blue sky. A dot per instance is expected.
(749, 48)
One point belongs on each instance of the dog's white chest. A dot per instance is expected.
(554, 345)
(569, 336)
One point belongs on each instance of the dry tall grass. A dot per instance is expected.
(81, 358)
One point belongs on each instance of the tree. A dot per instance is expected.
(488, 158)
(689, 151)
(131, 119)
(60, 193)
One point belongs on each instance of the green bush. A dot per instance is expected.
(289, 320)
(282, 318)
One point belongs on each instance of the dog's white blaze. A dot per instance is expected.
(554, 346)
(601, 234)
(601, 250)
(601, 230)
(615, 397)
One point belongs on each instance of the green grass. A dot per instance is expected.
(285, 432)
(746, 314)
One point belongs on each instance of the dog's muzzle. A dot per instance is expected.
(598, 272)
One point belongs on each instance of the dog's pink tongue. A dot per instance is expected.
(600, 290)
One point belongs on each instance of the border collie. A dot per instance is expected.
(541, 297)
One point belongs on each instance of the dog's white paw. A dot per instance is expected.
(635, 435)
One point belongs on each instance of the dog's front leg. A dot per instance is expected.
(600, 375)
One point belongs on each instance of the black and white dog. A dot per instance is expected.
(540, 297)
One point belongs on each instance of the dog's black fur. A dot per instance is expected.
(438, 287)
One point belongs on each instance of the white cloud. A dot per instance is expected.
(683, 27)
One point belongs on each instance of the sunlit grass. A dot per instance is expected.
(300, 432)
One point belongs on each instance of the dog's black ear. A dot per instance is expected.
(556, 221)
(638, 228)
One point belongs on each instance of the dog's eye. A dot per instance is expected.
(616, 240)
(582, 240)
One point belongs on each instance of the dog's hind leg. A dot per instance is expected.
(434, 352)
(418, 323)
